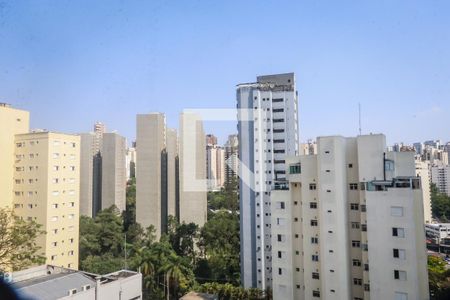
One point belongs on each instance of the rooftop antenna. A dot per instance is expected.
(359, 114)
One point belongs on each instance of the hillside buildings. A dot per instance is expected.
(349, 224)
(265, 138)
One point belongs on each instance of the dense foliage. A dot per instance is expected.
(440, 205)
(439, 278)
(183, 258)
(18, 248)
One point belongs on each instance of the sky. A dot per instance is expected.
(72, 63)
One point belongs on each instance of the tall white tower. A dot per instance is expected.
(265, 138)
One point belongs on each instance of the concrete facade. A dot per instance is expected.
(151, 177)
(192, 173)
(114, 179)
(349, 225)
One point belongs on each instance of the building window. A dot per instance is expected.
(295, 169)
(313, 205)
(354, 206)
(316, 294)
(400, 275)
(314, 240)
(281, 237)
(355, 225)
(367, 287)
(396, 211)
(398, 232)
(280, 271)
(399, 253)
(363, 208)
(356, 262)
(350, 165)
(314, 223)
(401, 296)
(315, 275)
(353, 186)
(357, 281)
(363, 227)
(315, 257)
(280, 205)
(356, 244)
(312, 186)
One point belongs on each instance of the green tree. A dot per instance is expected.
(182, 237)
(440, 204)
(220, 243)
(18, 248)
(438, 278)
(103, 264)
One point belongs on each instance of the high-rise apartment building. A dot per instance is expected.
(103, 171)
(192, 174)
(349, 224)
(440, 176)
(131, 163)
(308, 148)
(89, 204)
(265, 138)
(151, 175)
(13, 121)
(114, 178)
(215, 164)
(231, 158)
(46, 190)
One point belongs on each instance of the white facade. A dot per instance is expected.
(423, 171)
(264, 141)
(351, 224)
(215, 167)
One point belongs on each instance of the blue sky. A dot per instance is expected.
(72, 63)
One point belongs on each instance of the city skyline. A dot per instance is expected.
(121, 59)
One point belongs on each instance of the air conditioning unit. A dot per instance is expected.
(86, 287)
(72, 292)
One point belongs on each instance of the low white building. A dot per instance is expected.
(349, 224)
(48, 282)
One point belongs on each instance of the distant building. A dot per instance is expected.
(131, 163)
(46, 187)
(151, 174)
(55, 283)
(440, 176)
(103, 170)
(231, 158)
(192, 173)
(308, 148)
(349, 224)
(215, 164)
(114, 178)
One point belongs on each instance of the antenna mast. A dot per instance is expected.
(359, 114)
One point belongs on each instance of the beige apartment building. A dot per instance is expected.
(348, 224)
(13, 121)
(46, 189)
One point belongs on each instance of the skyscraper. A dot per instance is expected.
(270, 133)
(151, 175)
(349, 224)
(215, 164)
(192, 175)
(113, 171)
